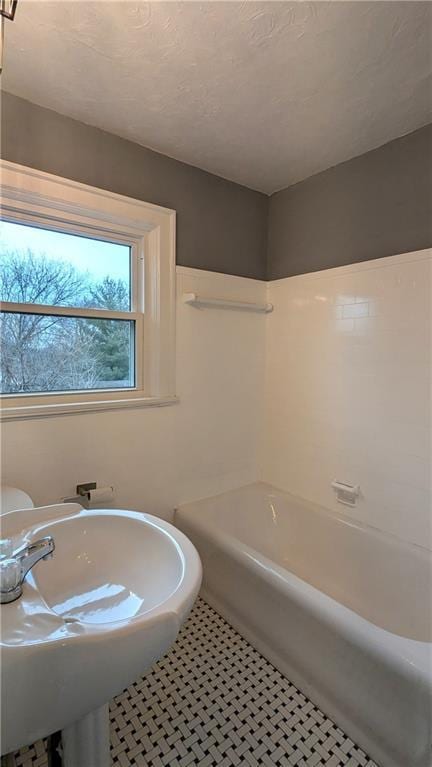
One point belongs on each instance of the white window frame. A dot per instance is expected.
(39, 198)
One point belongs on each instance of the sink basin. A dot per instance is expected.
(91, 619)
(108, 566)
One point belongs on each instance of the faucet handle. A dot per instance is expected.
(14, 569)
(10, 576)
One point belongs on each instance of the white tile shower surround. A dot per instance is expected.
(214, 701)
(348, 390)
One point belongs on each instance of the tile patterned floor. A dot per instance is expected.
(214, 701)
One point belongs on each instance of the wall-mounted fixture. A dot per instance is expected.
(346, 494)
(8, 8)
(89, 492)
(222, 303)
(7, 11)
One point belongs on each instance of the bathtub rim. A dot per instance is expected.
(269, 489)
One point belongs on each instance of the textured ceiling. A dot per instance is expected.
(265, 94)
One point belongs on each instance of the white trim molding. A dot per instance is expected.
(110, 402)
(33, 195)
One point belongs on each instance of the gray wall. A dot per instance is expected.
(378, 204)
(375, 205)
(221, 226)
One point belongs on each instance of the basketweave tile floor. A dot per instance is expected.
(214, 701)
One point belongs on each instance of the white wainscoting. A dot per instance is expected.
(158, 458)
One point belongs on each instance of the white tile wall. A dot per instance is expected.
(347, 396)
(348, 390)
(160, 457)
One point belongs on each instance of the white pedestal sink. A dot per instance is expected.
(90, 620)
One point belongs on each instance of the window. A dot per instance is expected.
(87, 299)
(69, 320)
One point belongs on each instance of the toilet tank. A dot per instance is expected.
(12, 498)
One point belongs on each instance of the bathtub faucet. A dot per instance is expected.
(14, 566)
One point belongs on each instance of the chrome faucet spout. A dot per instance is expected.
(14, 569)
(28, 556)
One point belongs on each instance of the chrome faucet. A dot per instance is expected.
(15, 565)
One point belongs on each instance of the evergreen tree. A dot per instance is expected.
(112, 338)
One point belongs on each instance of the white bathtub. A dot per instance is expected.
(343, 610)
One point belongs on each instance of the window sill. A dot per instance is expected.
(25, 412)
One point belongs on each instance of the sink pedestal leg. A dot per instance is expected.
(87, 742)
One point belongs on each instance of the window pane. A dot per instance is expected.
(44, 353)
(40, 266)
